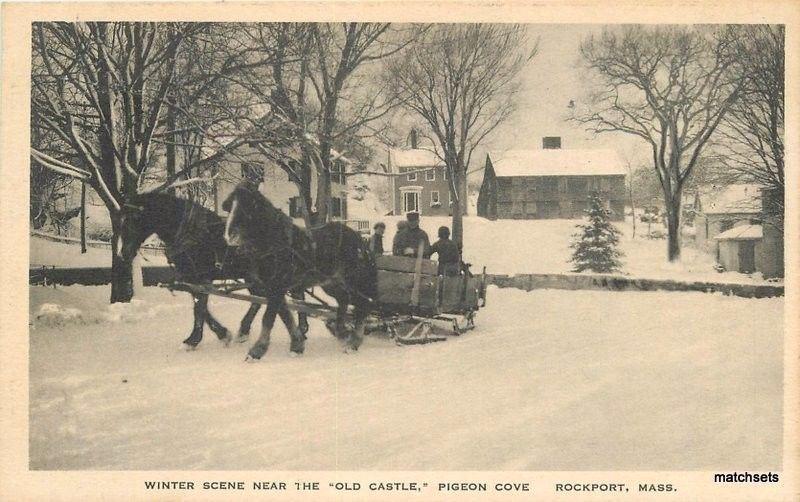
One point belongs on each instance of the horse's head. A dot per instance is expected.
(131, 223)
(244, 205)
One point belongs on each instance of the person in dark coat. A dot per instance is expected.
(449, 253)
(413, 237)
(376, 240)
(402, 226)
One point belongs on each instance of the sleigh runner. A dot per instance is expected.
(414, 305)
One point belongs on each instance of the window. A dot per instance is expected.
(410, 202)
(548, 185)
(434, 197)
(577, 184)
(336, 207)
(450, 195)
(430, 175)
(296, 207)
(337, 172)
(252, 172)
(411, 176)
(562, 185)
(530, 208)
(444, 173)
(605, 184)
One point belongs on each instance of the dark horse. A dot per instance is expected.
(284, 257)
(195, 246)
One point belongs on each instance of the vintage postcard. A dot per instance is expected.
(399, 250)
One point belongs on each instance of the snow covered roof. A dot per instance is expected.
(557, 162)
(741, 233)
(740, 198)
(414, 157)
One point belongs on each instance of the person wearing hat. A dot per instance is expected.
(413, 238)
(449, 253)
(376, 240)
(402, 226)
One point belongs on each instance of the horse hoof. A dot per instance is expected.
(350, 350)
(188, 347)
(249, 359)
(242, 337)
(226, 340)
(295, 354)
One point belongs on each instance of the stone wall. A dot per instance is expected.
(529, 282)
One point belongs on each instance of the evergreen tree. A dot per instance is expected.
(596, 244)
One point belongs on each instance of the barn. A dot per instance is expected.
(551, 182)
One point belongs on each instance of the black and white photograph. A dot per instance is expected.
(338, 246)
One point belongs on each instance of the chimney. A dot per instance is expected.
(551, 142)
(413, 136)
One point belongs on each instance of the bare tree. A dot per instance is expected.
(461, 80)
(669, 86)
(751, 136)
(103, 89)
(321, 95)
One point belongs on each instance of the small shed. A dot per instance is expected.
(740, 248)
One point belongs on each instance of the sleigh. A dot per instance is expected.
(414, 305)
(419, 306)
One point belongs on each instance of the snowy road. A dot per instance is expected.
(566, 380)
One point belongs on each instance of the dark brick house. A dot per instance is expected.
(551, 182)
(420, 182)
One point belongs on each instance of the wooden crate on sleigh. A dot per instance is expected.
(459, 294)
(408, 285)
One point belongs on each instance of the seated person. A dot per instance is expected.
(402, 226)
(376, 240)
(449, 253)
(409, 241)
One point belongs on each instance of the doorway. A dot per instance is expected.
(410, 202)
(747, 257)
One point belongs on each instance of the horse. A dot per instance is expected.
(196, 248)
(284, 256)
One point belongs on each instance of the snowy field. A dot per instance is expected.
(45, 252)
(567, 380)
(542, 246)
(498, 245)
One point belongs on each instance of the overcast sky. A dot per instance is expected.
(550, 81)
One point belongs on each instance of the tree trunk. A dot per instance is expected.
(170, 147)
(459, 206)
(323, 197)
(83, 217)
(673, 206)
(121, 269)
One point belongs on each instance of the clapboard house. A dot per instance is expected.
(420, 181)
(551, 182)
(736, 224)
(247, 162)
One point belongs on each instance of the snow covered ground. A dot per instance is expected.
(567, 380)
(542, 246)
(60, 254)
(503, 246)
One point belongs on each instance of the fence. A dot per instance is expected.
(153, 275)
(360, 226)
(148, 248)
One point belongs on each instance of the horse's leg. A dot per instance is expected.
(357, 335)
(267, 322)
(339, 329)
(221, 331)
(200, 309)
(302, 317)
(297, 336)
(247, 322)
